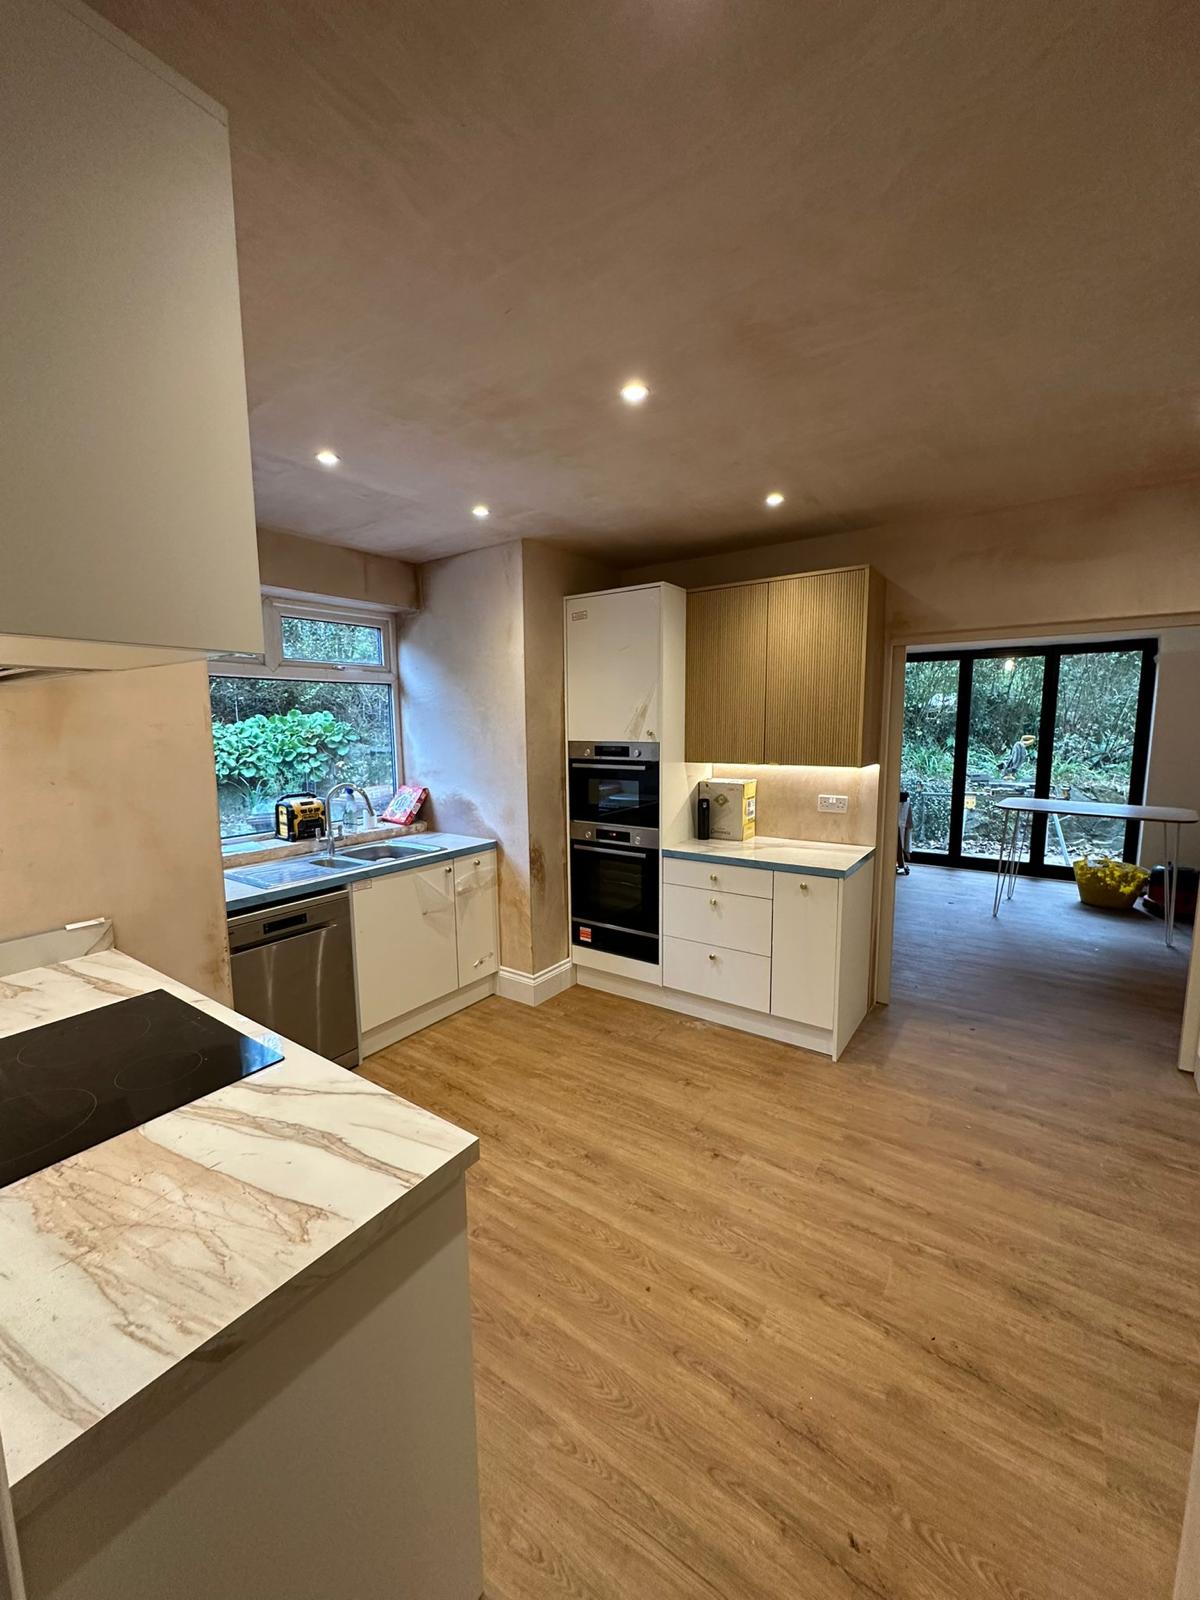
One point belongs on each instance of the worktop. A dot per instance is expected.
(243, 895)
(130, 1272)
(809, 856)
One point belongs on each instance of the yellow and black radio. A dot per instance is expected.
(299, 816)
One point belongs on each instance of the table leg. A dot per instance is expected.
(1000, 865)
(1023, 830)
(1170, 880)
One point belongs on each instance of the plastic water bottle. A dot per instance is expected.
(350, 812)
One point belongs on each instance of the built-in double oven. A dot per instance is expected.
(614, 810)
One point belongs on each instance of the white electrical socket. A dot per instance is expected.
(833, 802)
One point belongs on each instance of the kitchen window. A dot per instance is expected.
(317, 708)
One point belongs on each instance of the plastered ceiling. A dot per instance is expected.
(892, 257)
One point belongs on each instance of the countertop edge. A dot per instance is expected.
(257, 899)
(757, 864)
(83, 1454)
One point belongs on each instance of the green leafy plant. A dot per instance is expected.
(262, 755)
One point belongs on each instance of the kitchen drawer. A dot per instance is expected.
(726, 921)
(697, 874)
(734, 976)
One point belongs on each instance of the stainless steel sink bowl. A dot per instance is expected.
(283, 874)
(396, 851)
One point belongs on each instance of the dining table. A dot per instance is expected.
(1020, 810)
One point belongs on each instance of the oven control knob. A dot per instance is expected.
(635, 752)
(587, 833)
(637, 838)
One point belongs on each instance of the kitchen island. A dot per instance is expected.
(235, 1353)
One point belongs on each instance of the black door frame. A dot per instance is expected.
(1037, 866)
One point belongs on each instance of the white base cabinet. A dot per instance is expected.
(785, 954)
(477, 916)
(805, 948)
(423, 938)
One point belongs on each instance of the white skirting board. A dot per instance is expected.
(532, 988)
(425, 1016)
(694, 1005)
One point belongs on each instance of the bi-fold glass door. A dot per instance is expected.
(980, 726)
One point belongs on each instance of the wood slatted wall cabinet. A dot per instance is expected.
(824, 666)
(726, 673)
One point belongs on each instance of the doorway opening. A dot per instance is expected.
(1068, 721)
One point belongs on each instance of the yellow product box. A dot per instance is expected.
(732, 804)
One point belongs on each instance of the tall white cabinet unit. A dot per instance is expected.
(126, 499)
(625, 668)
(615, 665)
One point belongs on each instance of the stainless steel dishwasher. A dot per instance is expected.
(293, 971)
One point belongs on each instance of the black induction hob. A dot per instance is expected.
(72, 1084)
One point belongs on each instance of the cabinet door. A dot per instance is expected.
(804, 948)
(613, 660)
(125, 388)
(405, 943)
(477, 915)
(726, 673)
(816, 643)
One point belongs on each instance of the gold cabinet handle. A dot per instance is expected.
(711, 956)
(712, 878)
(803, 886)
(447, 869)
(476, 860)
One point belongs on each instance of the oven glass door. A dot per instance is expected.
(614, 899)
(623, 792)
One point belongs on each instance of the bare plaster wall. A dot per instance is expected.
(1173, 772)
(309, 569)
(110, 808)
(462, 717)
(549, 575)
(1058, 563)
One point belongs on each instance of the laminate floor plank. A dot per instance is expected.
(924, 1325)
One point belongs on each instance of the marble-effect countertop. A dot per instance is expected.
(129, 1270)
(812, 856)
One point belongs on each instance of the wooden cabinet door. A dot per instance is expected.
(477, 913)
(613, 665)
(405, 942)
(804, 949)
(816, 649)
(726, 673)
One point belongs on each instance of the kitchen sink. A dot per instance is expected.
(283, 874)
(396, 851)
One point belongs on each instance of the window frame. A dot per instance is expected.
(1037, 865)
(272, 664)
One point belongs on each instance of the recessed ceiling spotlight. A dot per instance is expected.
(774, 499)
(328, 458)
(634, 392)
(479, 511)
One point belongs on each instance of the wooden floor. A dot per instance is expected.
(918, 1326)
